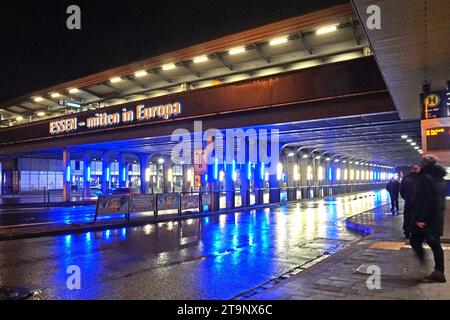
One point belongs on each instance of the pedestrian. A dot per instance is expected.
(393, 187)
(427, 219)
(406, 191)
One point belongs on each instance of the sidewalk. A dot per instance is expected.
(343, 275)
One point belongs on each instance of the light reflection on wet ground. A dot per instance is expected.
(215, 257)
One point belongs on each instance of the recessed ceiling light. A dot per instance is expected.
(200, 59)
(404, 136)
(55, 95)
(19, 118)
(115, 79)
(38, 99)
(236, 50)
(168, 66)
(413, 143)
(279, 40)
(140, 73)
(74, 90)
(409, 140)
(40, 114)
(326, 29)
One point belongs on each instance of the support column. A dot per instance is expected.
(86, 175)
(245, 171)
(143, 161)
(106, 173)
(291, 163)
(166, 183)
(123, 171)
(186, 178)
(213, 186)
(258, 182)
(274, 184)
(67, 176)
(229, 186)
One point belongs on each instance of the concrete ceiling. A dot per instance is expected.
(411, 46)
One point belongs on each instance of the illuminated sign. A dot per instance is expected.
(105, 119)
(438, 138)
(435, 104)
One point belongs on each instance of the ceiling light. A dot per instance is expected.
(74, 90)
(38, 99)
(409, 140)
(326, 29)
(336, 160)
(416, 147)
(160, 160)
(279, 40)
(115, 79)
(327, 159)
(168, 66)
(140, 73)
(305, 156)
(404, 136)
(19, 118)
(55, 95)
(291, 154)
(413, 143)
(200, 59)
(40, 114)
(236, 50)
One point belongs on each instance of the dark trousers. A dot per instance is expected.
(434, 242)
(407, 220)
(394, 201)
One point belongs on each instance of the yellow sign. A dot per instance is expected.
(432, 101)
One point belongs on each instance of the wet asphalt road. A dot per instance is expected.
(216, 257)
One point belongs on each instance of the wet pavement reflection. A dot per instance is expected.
(214, 257)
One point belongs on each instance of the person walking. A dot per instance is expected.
(427, 219)
(406, 191)
(393, 187)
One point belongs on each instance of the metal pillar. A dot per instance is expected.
(229, 186)
(67, 176)
(123, 171)
(245, 171)
(258, 182)
(86, 175)
(106, 174)
(143, 161)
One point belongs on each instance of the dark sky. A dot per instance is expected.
(37, 50)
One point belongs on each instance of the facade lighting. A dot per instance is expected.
(200, 59)
(236, 50)
(326, 29)
(279, 40)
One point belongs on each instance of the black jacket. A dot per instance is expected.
(393, 187)
(429, 199)
(407, 188)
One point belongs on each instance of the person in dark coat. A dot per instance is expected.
(406, 191)
(428, 215)
(393, 187)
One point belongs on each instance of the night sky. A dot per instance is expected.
(37, 50)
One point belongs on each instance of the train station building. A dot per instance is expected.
(318, 85)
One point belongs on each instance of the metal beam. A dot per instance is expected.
(112, 87)
(223, 61)
(136, 82)
(190, 69)
(161, 75)
(92, 93)
(305, 42)
(355, 31)
(261, 52)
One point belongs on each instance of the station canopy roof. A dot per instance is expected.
(321, 37)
